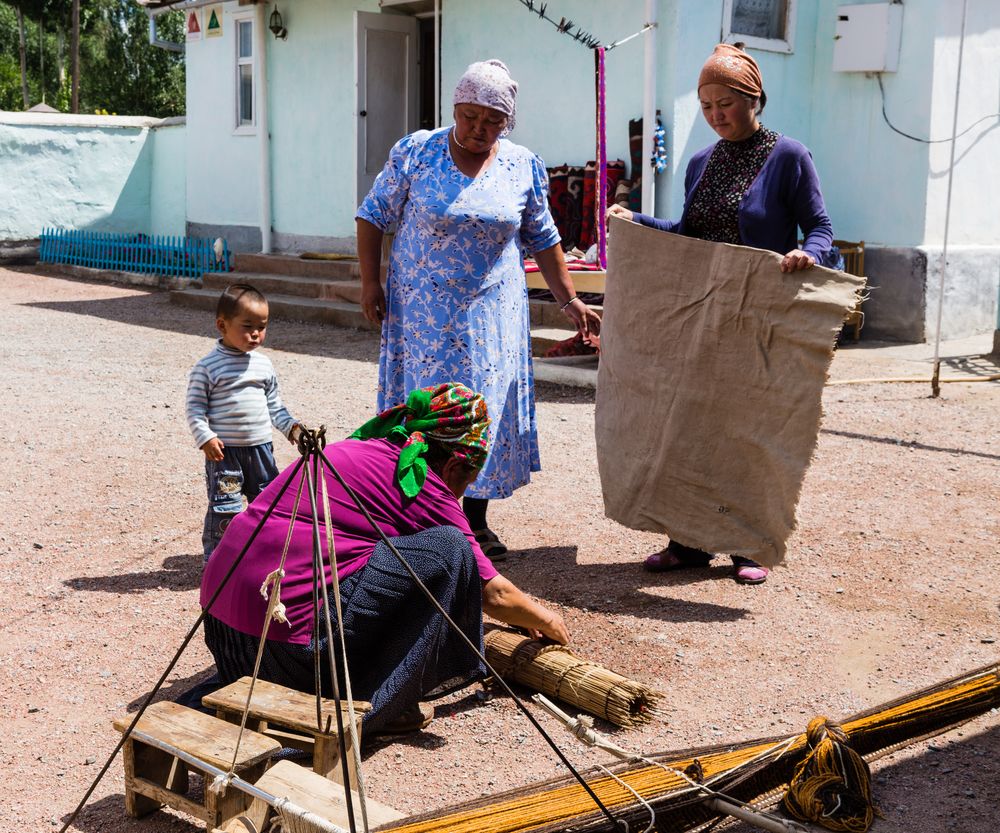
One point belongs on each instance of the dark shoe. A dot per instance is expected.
(416, 717)
(493, 548)
(676, 557)
(749, 571)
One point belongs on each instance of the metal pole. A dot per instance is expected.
(935, 378)
(437, 63)
(649, 112)
(263, 133)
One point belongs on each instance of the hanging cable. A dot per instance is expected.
(352, 719)
(878, 76)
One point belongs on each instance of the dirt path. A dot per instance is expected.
(890, 584)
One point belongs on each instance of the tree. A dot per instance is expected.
(118, 70)
(22, 50)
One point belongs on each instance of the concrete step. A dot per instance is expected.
(291, 307)
(293, 265)
(542, 338)
(344, 313)
(576, 371)
(325, 289)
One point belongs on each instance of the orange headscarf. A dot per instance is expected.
(732, 67)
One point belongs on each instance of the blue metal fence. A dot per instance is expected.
(156, 254)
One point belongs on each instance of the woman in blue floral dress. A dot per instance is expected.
(468, 205)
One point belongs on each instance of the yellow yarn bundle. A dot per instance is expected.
(833, 784)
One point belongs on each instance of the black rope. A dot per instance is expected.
(474, 648)
(170, 667)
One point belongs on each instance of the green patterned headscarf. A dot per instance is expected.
(450, 414)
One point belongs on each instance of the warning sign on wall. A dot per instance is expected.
(194, 25)
(213, 21)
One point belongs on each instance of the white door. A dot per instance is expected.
(387, 89)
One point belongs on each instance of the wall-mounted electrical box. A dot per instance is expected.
(867, 38)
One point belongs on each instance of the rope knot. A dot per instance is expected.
(821, 728)
(275, 605)
(310, 441)
(221, 782)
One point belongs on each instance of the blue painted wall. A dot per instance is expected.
(221, 163)
(879, 186)
(87, 172)
(875, 182)
(312, 116)
(168, 184)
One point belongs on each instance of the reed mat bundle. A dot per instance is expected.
(556, 671)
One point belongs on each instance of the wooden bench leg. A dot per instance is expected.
(326, 758)
(231, 802)
(154, 765)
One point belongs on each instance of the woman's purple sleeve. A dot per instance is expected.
(655, 222)
(810, 211)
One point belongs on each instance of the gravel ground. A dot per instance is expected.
(887, 587)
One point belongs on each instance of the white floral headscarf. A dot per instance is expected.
(488, 84)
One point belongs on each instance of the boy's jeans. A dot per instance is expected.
(242, 471)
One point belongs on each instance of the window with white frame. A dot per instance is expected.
(246, 117)
(760, 24)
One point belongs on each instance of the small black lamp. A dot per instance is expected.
(277, 25)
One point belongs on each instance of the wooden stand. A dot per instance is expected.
(310, 792)
(154, 777)
(290, 716)
(591, 280)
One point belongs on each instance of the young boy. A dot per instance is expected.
(232, 402)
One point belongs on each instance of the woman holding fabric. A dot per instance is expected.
(468, 205)
(754, 187)
(408, 466)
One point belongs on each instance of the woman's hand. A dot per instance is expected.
(797, 260)
(553, 629)
(588, 322)
(373, 302)
(504, 601)
(370, 265)
(552, 262)
(618, 211)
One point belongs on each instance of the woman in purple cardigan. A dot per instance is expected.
(756, 188)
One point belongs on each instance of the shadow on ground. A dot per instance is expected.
(621, 588)
(851, 435)
(153, 309)
(108, 813)
(179, 573)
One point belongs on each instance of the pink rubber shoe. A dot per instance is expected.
(750, 572)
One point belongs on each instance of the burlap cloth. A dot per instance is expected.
(709, 391)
